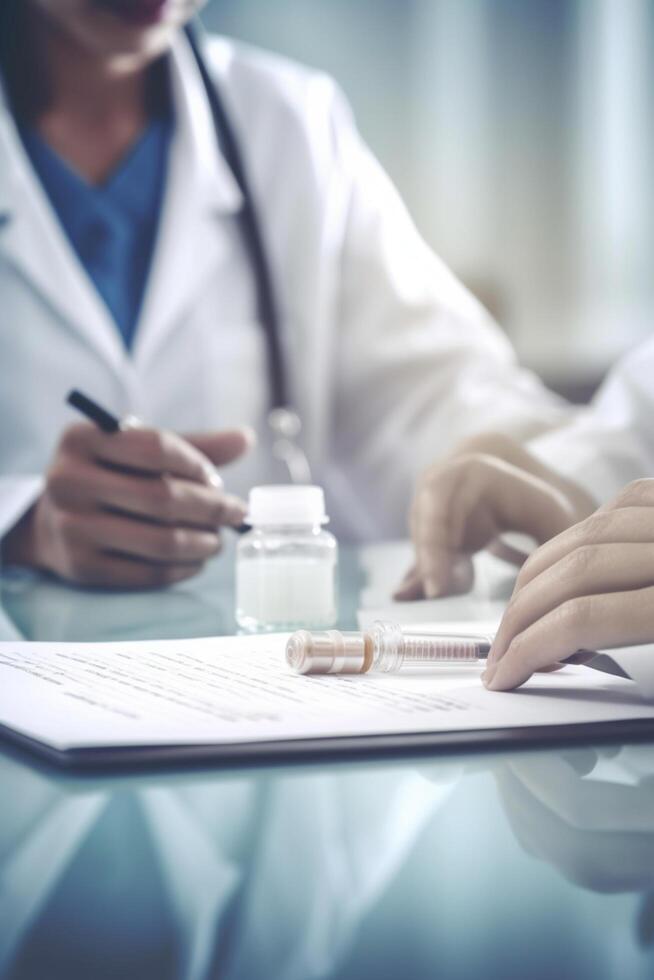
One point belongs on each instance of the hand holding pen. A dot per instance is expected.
(128, 506)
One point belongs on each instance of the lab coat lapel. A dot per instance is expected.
(201, 196)
(34, 243)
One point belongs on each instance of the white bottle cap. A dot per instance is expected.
(286, 505)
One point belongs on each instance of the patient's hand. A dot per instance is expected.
(590, 587)
(490, 485)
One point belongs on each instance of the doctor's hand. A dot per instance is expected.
(140, 508)
(589, 588)
(488, 486)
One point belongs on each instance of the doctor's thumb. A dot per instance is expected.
(223, 446)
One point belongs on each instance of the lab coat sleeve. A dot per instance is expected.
(17, 494)
(611, 442)
(419, 365)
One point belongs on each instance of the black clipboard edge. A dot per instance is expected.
(347, 748)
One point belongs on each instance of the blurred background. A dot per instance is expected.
(520, 133)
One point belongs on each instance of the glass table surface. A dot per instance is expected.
(528, 864)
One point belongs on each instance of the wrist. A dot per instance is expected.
(18, 544)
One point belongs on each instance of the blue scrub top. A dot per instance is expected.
(113, 226)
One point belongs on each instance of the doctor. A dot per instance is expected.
(194, 233)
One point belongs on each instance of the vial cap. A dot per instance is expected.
(328, 652)
(286, 505)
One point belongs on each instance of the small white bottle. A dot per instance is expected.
(286, 565)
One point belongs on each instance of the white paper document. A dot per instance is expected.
(232, 691)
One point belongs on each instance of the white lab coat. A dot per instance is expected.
(390, 360)
(611, 442)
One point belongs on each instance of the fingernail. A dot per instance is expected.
(250, 436)
(488, 674)
(432, 588)
(130, 422)
(214, 477)
(494, 682)
(235, 514)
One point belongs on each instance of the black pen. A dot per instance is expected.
(94, 412)
(110, 424)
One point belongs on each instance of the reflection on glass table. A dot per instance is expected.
(249, 875)
(36, 607)
(332, 871)
(534, 865)
(590, 814)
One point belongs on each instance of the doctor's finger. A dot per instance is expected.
(411, 587)
(444, 572)
(520, 501)
(628, 525)
(459, 579)
(591, 570)
(83, 486)
(140, 450)
(142, 539)
(586, 623)
(442, 526)
(465, 507)
(225, 446)
(172, 501)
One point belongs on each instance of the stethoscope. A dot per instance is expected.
(283, 421)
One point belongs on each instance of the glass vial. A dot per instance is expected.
(386, 648)
(286, 564)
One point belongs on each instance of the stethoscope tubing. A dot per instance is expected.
(267, 303)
